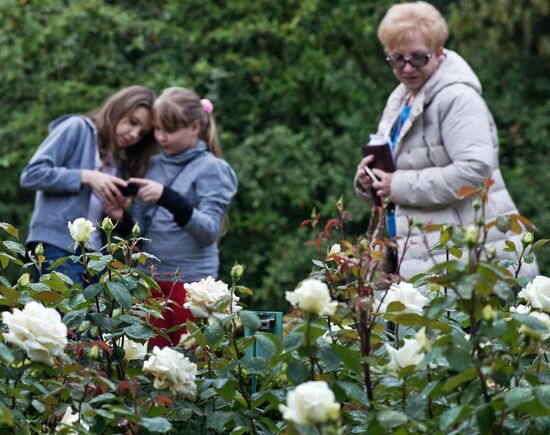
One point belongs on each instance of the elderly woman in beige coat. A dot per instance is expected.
(442, 133)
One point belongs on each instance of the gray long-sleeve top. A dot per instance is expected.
(184, 234)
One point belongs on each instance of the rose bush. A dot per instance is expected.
(455, 350)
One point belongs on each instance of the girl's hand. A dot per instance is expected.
(104, 184)
(383, 186)
(115, 209)
(363, 180)
(150, 191)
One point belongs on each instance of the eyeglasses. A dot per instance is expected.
(417, 60)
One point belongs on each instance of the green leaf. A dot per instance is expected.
(254, 365)
(329, 357)
(537, 245)
(5, 353)
(10, 229)
(297, 372)
(218, 419)
(213, 335)
(275, 346)
(292, 341)
(120, 293)
(92, 291)
(355, 391)
(58, 263)
(5, 415)
(389, 419)
(530, 322)
(450, 416)
(485, 417)
(14, 247)
(138, 332)
(156, 424)
(543, 395)
(48, 296)
(517, 396)
(351, 358)
(466, 375)
(250, 320)
(74, 318)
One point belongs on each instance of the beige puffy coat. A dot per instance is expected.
(449, 141)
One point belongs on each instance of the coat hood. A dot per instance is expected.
(452, 70)
(52, 125)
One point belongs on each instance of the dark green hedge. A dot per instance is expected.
(297, 86)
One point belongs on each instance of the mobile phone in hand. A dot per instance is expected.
(130, 190)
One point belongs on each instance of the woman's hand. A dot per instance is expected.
(363, 180)
(115, 209)
(150, 191)
(383, 185)
(104, 184)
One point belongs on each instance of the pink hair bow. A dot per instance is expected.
(207, 105)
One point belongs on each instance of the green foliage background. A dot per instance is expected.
(297, 87)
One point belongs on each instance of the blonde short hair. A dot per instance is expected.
(402, 20)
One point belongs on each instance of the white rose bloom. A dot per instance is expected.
(335, 249)
(134, 350)
(81, 230)
(172, 370)
(205, 294)
(544, 318)
(410, 354)
(537, 292)
(422, 339)
(404, 292)
(38, 330)
(521, 309)
(327, 336)
(310, 403)
(312, 296)
(68, 421)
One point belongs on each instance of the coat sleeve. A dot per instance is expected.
(465, 128)
(47, 170)
(215, 188)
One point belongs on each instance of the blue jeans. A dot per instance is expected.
(69, 268)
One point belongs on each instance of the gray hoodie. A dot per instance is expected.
(54, 173)
(208, 185)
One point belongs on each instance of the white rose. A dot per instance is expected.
(312, 296)
(422, 339)
(202, 296)
(172, 370)
(410, 354)
(38, 330)
(81, 229)
(404, 292)
(327, 336)
(544, 318)
(520, 309)
(537, 292)
(68, 421)
(134, 350)
(310, 403)
(335, 249)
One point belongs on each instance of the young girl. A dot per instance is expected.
(78, 167)
(182, 204)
